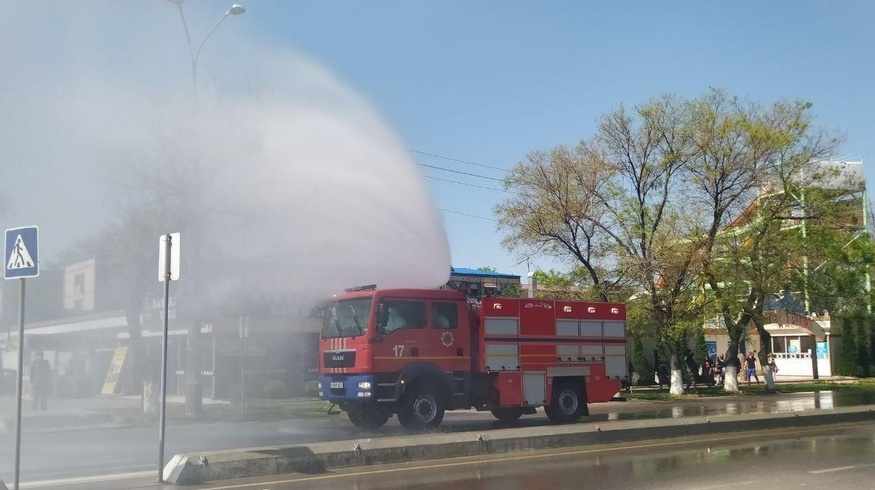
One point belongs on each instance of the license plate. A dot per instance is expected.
(337, 385)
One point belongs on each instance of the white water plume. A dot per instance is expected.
(282, 180)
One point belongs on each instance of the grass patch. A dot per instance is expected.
(861, 386)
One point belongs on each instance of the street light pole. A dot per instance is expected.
(194, 55)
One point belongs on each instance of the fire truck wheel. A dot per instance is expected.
(366, 417)
(422, 408)
(568, 403)
(507, 415)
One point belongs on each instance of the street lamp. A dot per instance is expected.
(235, 9)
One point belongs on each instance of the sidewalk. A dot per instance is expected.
(779, 379)
(120, 411)
(125, 411)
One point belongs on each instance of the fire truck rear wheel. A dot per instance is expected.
(568, 403)
(422, 408)
(507, 415)
(367, 417)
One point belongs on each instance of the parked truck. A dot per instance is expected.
(417, 353)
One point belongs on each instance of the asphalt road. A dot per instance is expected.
(107, 450)
(833, 457)
(836, 458)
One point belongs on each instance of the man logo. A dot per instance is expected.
(566, 309)
(529, 306)
(590, 309)
(496, 306)
(337, 357)
(615, 311)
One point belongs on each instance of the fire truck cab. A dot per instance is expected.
(417, 353)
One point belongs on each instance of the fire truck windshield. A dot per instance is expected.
(347, 318)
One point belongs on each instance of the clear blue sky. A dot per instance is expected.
(490, 81)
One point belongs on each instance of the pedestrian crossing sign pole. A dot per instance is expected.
(21, 261)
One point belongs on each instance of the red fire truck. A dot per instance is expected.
(417, 353)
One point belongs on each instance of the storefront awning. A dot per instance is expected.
(62, 327)
(786, 330)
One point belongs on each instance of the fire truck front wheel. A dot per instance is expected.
(568, 403)
(369, 417)
(422, 408)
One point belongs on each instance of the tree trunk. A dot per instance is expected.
(730, 377)
(151, 382)
(193, 386)
(677, 377)
(770, 379)
(765, 350)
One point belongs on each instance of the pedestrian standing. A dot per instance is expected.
(772, 363)
(721, 369)
(693, 368)
(751, 364)
(40, 381)
(739, 367)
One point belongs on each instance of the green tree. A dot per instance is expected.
(746, 149)
(644, 200)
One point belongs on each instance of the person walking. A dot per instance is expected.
(40, 381)
(721, 369)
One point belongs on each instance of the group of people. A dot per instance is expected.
(745, 367)
(713, 371)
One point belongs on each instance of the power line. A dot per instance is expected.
(460, 213)
(457, 160)
(451, 181)
(444, 169)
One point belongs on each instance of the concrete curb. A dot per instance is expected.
(196, 468)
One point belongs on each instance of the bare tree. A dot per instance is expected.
(554, 210)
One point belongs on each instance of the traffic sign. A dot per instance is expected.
(174, 245)
(22, 252)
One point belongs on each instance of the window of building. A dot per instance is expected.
(402, 314)
(444, 315)
(805, 344)
(779, 345)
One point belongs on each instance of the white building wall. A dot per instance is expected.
(799, 364)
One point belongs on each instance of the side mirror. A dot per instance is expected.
(382, 317)
(381, 323)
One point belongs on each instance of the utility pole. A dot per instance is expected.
(192, 380)
(866, 230)
(163, 413)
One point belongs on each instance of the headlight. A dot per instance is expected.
(319, 385)
(364, 385)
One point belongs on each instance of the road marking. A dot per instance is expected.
(479, 460)
(840, 468)
(730, 484)
(86, 479)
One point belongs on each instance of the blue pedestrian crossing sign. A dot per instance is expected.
(22, 252)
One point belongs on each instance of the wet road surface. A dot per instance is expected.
(835, 458)
(106, 450)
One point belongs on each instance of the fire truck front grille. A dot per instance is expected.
(339, 359)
